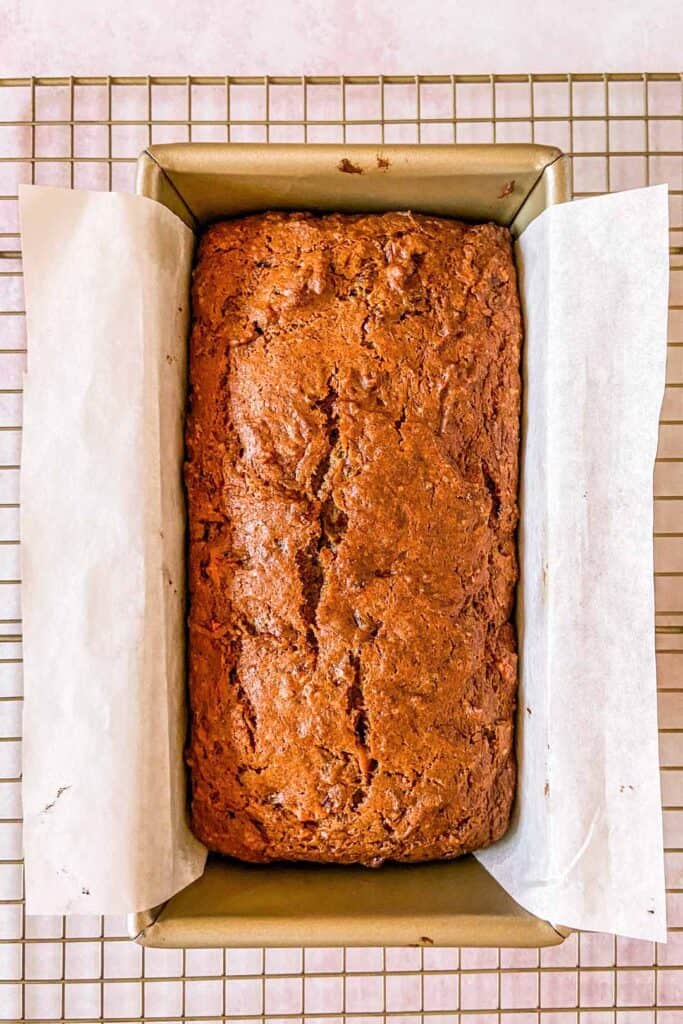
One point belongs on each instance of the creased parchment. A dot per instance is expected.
(102, 523)
(107, 280)
(586, 847)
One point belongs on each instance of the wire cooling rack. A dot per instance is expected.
(622, 131)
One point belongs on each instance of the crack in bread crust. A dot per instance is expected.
(352, 471)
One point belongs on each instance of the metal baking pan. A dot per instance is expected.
(454, 903)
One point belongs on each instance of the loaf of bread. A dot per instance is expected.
(352, 472)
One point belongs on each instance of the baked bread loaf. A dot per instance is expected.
(352, 471)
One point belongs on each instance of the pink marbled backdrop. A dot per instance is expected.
(97, 974)
(328, 36)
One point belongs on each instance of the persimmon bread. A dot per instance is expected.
(352, 474)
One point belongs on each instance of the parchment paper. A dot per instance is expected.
(106, 281)
(102, 521)
(586, 847)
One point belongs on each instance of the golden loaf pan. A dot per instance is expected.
(454, 903)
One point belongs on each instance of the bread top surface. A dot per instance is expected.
(352, 473)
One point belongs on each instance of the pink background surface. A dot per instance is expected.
(328, 36)
(85, 969)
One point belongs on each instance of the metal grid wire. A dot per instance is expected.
(622, 130)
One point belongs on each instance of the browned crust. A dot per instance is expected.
(352, 463)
